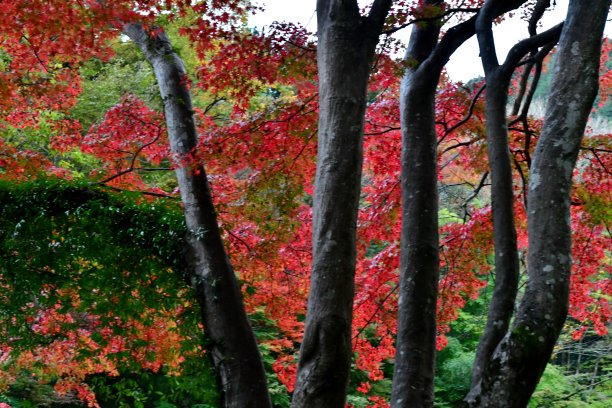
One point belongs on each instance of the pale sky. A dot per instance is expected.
(465, 63)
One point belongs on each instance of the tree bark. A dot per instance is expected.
(233, 347)
(513, 371)
(413, 379)
(501, 306)
(345, 54)
(498, 79)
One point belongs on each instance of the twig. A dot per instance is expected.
(434, 18)
(475, 193)
(149, 193)
(249, 249)
(466, 118)
(380, 305)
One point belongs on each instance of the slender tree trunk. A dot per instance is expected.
(580, 348)
(513, 371)
(498, 79)
(501, 306)
(413, 379)
(233, 347)
(345, 54)
(601, 353)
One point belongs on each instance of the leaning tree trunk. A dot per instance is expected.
(498, 79)
(513, 371)
(232, 343)
(345, 54)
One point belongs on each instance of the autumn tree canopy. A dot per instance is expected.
(246, 218)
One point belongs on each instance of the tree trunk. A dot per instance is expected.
(233, 347)
(513, 371)
(419, 269)
(413, 379)
(498, 79)
(501, 306)
(345, 54)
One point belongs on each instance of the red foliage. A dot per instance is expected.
(69, 353)
(261, 163)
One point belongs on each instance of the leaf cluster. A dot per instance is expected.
(118, 253)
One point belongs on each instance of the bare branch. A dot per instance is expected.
(447, 13)
(537, 59)
(149, 193)
(519, 169)
(480, 186)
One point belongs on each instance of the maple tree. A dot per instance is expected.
(255, 105)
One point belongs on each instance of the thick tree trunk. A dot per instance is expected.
(345, 54)
(498, 79)
(233, 347)
(513, 371)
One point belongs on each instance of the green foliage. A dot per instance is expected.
(453, 199)
(78, 238)
(194, 387)
(454, 362)
(277, 195)
(598, 207)
(445, 216)
(552, 384)
(469, 326)
(380, 388)
(58, 232)
(28, 392)
(104, 83)
(128, 72)
(104, 246)
(357, 401)
(559, 389)
(453, 373)
(32, 138)
(375, 247)
(265, 329)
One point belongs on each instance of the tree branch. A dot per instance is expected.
(447, 13)
(474, 194)
(523, 47)
(537, 59)
(467, 117)
(149, 193)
